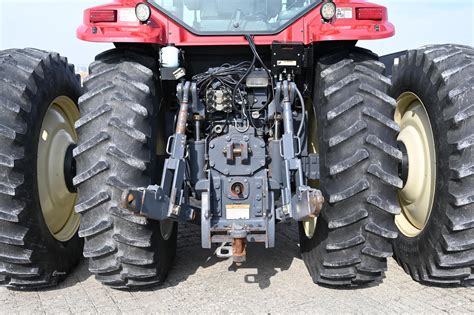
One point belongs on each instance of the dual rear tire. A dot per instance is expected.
(116, 151)
(359, 162)
(39, 244)
(415, 196)
(41, 236)
(433, 88)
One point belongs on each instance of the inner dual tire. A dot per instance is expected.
(39, 244)
(350, 242)
(116, 151)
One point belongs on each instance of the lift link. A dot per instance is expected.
(167, 201)
(307, 202)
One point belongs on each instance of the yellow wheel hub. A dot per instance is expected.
(57, 134)
(417, 196)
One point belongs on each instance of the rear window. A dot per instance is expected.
(235, 17)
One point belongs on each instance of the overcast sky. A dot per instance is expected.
(51, 25)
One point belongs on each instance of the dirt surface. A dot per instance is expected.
(272, 281)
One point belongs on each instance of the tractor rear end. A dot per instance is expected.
(237, 116)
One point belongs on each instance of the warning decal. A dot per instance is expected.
(344, 13)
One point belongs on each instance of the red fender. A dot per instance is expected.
(163, 30)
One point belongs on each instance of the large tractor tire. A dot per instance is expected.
(351, 240)
(117, 146)
(39, 244)
(435, 109)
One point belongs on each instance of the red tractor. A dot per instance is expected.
(237, 115)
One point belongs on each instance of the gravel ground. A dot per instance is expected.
(272, 281)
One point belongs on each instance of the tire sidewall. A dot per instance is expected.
(413, 250)
(60, 256)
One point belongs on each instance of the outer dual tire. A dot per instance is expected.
(436, 239)
(359, 171)
(116, 151)
(39, 244)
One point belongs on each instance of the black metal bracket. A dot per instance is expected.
(154, 204)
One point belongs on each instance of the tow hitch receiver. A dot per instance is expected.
(237, 250)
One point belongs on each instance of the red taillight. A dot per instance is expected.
(374, 14)
(103, 16)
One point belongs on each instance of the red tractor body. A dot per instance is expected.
(116, 22)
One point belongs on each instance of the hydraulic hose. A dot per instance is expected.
(303, 107)
(183, 111)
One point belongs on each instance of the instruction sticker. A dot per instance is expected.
(287, 63)
(127, 15)
(344, 13)
(237, 212)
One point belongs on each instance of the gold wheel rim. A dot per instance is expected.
(417, 196)
(56, 135)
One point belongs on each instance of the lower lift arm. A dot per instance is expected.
(307, 202)
(167, 201)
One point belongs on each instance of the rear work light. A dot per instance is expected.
(374, 14)
(143, 12)
(103, 16)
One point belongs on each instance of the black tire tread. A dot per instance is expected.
(115, 152)
(352, 240)
(449, 73)
(25, 260)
